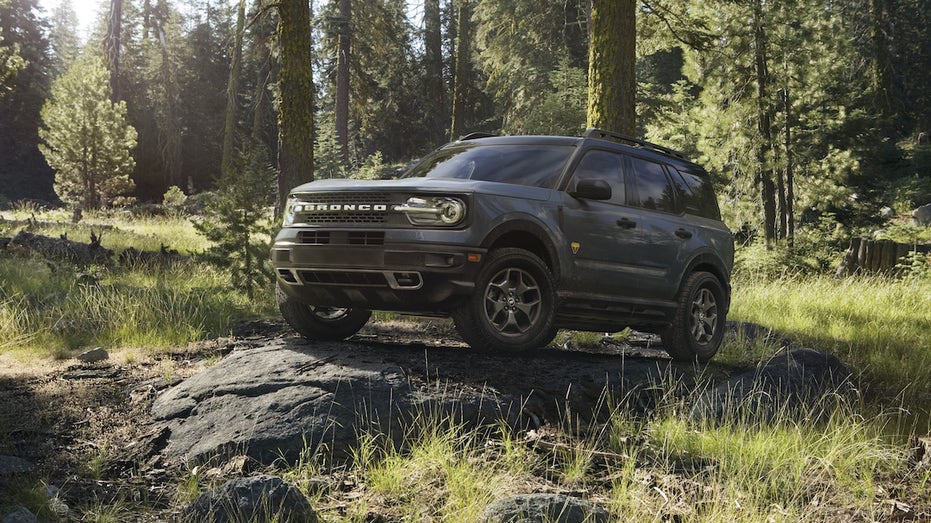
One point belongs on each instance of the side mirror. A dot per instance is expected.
(591, 189)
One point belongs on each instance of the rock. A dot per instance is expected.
(272, 401)
(93, 355)
(922, 215)
(544, 508)
(19, 515)
(13, 466)
(260, 498)
(887, 212)
(798, 383)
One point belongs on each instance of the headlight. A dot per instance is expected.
(290, 209)
(443, 211)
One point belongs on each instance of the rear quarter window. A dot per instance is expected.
(697, 194)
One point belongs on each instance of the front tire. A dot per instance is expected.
(320, 323)
(513, 306)
(698, 327)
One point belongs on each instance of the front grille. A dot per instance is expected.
(360, 279)
(366, 238)
(314, 237)
(340, 216)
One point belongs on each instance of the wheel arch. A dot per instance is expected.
(528, 235)
(710, 263)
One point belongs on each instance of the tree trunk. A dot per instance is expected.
(436, 91)
(114, 29)
(764, 115)
(296, 103)
(612, 83)
(169, 128)
(232, 91)
(463, 77)
(342, 79)
(881, 77)
(790, 170)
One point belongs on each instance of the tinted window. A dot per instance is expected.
(653, 188)
(534, 165)
(698, 195)
(603, 165)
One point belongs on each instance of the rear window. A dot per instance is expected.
(533, 165)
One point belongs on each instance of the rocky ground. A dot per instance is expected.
(128, 429)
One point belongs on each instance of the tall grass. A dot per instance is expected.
(49, 307)
(51, 310)
(881, 326)
(656, 468)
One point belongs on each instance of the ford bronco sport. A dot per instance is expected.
(515, 237)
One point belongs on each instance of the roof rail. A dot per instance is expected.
(475, 136)
(617, 137)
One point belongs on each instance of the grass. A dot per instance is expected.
(54, 308)
(658, 468)
(879, 326)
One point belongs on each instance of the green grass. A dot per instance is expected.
(879, 326)
(52, 308)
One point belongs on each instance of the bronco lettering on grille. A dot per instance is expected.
(326, 207)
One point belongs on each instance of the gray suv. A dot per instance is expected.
(515, 237)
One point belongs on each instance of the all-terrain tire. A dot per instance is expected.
(698, 328)
(513, 306)
(320, 323)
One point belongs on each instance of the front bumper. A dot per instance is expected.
(367, 270)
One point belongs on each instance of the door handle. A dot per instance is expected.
(684, 234)
(626, 223)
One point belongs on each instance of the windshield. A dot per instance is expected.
(533, 165)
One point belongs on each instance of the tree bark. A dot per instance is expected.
(436, 91)
(612, 83)
(342, 79)
(790, 170)
(764, 116)
(463, 77)
(232, 91)
(296, 98)
(114, 29)
(169, 129)
(881, 77)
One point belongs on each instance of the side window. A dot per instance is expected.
(698, 194)
(603, 165)
(653, 187)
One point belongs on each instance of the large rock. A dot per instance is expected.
(262, 498)
(271, 401)
(544, 508)
(922, 215)
(798, 383)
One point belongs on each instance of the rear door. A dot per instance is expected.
(668, 235)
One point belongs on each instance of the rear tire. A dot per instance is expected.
(513, 306)
(321, 323)
(698, 327)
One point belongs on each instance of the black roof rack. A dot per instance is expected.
(475, 136)
(599, 133)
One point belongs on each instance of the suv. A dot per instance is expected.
(515, 237)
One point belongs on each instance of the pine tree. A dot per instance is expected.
(63, 40)
(238, 222)
(87, 139)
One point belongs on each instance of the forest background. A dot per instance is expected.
(811, 116)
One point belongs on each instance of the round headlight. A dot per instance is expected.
(452, 211)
